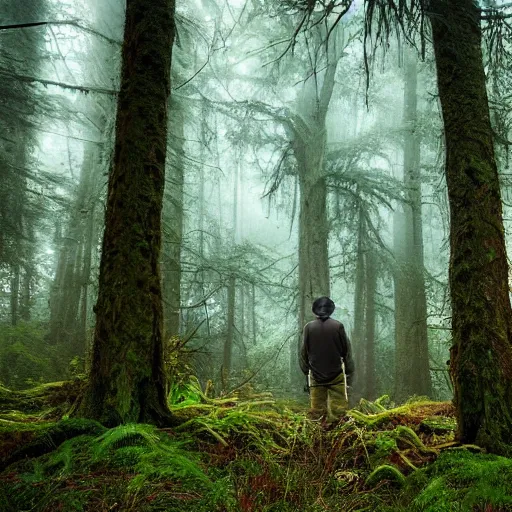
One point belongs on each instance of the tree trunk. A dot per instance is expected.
(412, 372)
(481, 356)
(230, 317)
(309, 149)
(86, 275)
(230, 332)
(127, 382)
(359, 313)
(371, 288)
(173, 228)
(15, 293)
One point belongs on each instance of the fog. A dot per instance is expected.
(298, 165)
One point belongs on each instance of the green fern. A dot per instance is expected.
(153, 457)
(131, 434)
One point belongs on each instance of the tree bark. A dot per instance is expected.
(127, 382)
(481, 355)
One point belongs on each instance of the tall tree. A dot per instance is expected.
(481, 358)
(370, 317)
(412, 372)
(127, 382)
(20, 55)
(173, 225)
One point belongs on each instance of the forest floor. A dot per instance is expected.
(242, 453)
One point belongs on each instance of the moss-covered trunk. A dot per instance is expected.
(481, 361)
(127, 381)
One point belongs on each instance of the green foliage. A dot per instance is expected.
(234, 455)
(244, 423)
(25, 357)
(183, 393)
(459, 481)
(150, 455)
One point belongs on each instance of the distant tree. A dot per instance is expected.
(127, 382)
(412, 371)
(20, 54)
(173, 223)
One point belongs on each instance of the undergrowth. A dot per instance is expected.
(242, 454)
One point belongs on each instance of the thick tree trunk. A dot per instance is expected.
(313, 228)
(412, 373)
(127, 382)
(481, 359)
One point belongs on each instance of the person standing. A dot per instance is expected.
(326, 359)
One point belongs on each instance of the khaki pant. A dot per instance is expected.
(328, 400)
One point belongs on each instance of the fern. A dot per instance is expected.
(152, 457)
(131, 434)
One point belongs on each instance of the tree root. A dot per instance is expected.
(385, 472)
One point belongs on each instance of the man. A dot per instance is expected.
(324, 352)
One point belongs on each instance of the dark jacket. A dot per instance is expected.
(325, 345)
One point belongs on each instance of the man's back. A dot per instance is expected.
(325, 345)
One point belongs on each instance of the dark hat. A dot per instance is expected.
(323, 307)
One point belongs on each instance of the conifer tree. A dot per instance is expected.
(127, 382)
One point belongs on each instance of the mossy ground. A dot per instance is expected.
(243, 454)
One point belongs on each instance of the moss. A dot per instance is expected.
(38, 439)
(409, 413)
(385, 472)
(58, 396)
(461, 480)
(438, 425)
